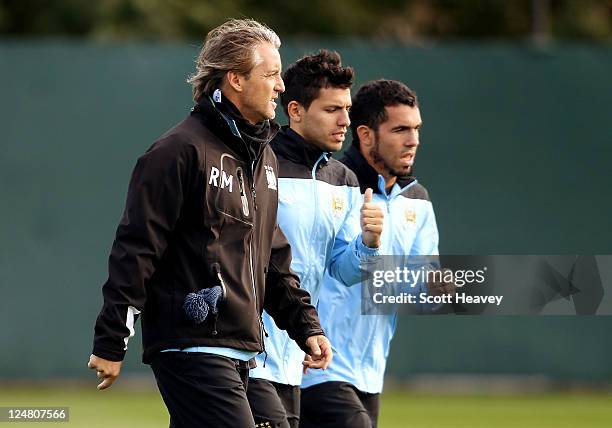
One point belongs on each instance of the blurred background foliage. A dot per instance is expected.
(410, 21)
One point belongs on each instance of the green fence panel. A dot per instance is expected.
(515, 151)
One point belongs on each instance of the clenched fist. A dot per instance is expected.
(105, 370)
(320, 354)
(372, 217)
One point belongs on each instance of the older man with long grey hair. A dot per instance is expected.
(198, 253)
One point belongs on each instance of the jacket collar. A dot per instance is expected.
(289, 144)
(225, 121)
(366, 175)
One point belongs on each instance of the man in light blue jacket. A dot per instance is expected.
(386, 121)
(322, 214)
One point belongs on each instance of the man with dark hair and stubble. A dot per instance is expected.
(385, 122)
(322, 213)
(198, 253)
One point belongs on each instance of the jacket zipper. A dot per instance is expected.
(253, 185)
(217, 269)
(244, 198)
(262, 329)
(313, 173)
(232, 124)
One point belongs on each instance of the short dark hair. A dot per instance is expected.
(305, 77)
(370, 101)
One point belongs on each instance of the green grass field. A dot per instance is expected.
(120, 407)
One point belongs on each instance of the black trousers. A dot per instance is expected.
(338, 405)
(273, 403)
(203, 390)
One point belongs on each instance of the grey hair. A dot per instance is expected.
(229, 47)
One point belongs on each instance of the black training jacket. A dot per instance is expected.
(200, 212)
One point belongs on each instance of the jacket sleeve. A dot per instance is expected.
(287, 303)
(349, 254)
(155, 197)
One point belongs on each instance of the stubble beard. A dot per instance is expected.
(378, 159)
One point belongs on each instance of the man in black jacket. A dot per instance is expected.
(198, 254)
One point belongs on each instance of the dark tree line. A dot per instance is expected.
(399, 20)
